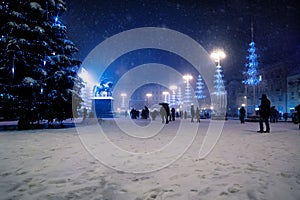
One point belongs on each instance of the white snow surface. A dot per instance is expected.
(54, 164)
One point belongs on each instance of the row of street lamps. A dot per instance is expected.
(216, 55)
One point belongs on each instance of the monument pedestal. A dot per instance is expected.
(102, 107)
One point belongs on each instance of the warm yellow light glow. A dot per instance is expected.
(187, 77)
(218, 55)
(173, 87)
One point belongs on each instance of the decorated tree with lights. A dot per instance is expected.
(38, 75)
(252, 77)
(251, 73)
(200, 88)
(219, 83)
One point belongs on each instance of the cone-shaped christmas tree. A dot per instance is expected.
(38, 76)
(200, 88)
(252, 77)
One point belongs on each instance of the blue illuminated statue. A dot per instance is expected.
(103, 89)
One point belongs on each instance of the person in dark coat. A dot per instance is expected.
(173, 114)
(264, 114)
(198, 114)
(297, 108)
(192, 113)
(242, 114)
(165, 112)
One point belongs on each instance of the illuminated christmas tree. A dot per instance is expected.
(200, 88)
(252, 76)
(219, 83)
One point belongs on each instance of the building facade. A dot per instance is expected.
(293, 94)
(274, 85)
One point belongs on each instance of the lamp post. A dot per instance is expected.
(220, 93)
(148, 95)
(217, 56)
(246, 106)
(123, 95)
(188, 99)
(165, 93)
(173, 99)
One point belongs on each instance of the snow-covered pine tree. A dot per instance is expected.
(38, 75)
(200, 88)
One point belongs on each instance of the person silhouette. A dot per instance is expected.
(242, 114)
(192, 113)
(264, 114)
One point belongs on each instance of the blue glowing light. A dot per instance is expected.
(252, 76)
(13, 71)
(219, 84)
(200, 88)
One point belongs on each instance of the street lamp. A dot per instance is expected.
(173, 88)
(123, 95)
(188, 99)
(220, 93)
(165, 93)
(217, 56)
(148, 95)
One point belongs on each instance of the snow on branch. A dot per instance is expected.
(35, 6)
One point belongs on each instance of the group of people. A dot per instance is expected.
(135, 114)
(166, 113)
(195, 113)
(267, 114)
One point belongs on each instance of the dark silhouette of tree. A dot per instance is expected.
(38, 75)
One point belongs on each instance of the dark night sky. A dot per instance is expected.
(225, 24)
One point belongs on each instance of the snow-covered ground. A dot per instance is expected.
(76, 163)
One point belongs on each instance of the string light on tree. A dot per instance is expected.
(200, 88)
(252, 77)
